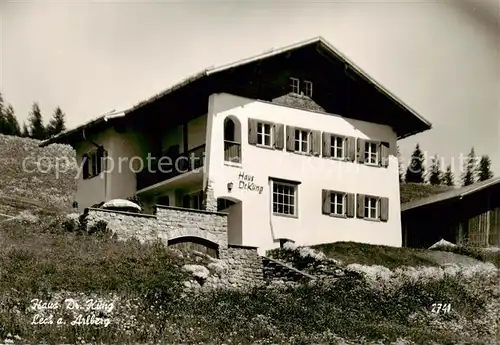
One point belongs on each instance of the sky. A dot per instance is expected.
(89, 57)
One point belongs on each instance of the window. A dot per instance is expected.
(295, 85)
(308, 88)
(337, 147)
(371, 153)
(338, 204)
(193, 201)
(92, 163)
(284, 198)
(302, 140)
(264, 134)
(372, 207)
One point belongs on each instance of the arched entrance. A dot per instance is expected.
(232, 139)
(195, 243)
(233, 207)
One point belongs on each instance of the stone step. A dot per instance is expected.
(276, 270)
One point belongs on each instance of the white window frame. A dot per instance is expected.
(295, 85)
(308, 89)
(334, 147)
(372, 203)
(371, 155)
(275, 199)
(334, 202)
(261, 134)
(304, 144)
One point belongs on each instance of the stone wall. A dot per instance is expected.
(236, 267)
(241, 268)
(168, 223)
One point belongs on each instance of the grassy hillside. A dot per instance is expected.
(41, 259)
(415, 191)
(391, 257)
(44, 175)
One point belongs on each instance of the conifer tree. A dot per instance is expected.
(448, 177)
(484, 169)
(25, 132)
(36, 127)
(470, 167)
(435, 173)
(415, 171)
(57, 124)
(12, 125)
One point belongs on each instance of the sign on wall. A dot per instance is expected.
(246, 182)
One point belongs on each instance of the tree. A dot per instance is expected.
(3, 120)
(484, 169)
(25, 133)
(36, 127)
(435, 174)
(57, 123)
(12, 126)
(468, 175)
(448, 177)
(401, 166)
(415, 171)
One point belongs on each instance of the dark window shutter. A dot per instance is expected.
(325, 197)
(290, 138)
(361, 151)
(350, 205)
(279, 136)
(361, 206)
(316, 143)
(252, 131)
(351, 149)
(384, 154)
(384, 209)
(327, 145)
(85, 166)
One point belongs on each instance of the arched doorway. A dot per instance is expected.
(194, 243)
(233, 208)
(232, 140)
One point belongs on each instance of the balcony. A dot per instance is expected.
(232, 151)
(164, 168)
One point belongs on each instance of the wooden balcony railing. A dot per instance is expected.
(164, 168)
(232, 151)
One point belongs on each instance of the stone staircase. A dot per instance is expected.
(275, 270)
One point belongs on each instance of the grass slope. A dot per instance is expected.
(390, 257)
(415, 191)
(51, 182)
(41, 259)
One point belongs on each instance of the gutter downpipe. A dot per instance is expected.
(105, 162)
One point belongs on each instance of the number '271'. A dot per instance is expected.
(441, 308)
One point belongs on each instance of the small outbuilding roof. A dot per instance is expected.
(456, 193)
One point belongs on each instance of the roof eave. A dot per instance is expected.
(427, 126)
(62, 137)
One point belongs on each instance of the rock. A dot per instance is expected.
(197, 271)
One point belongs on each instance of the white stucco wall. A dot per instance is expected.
(91, 191)
(118, 179)
(259, 227)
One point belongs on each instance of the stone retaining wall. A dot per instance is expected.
(237, 266)
(168, 223)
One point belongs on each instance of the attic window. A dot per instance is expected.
(295, 85)
(308, 88)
